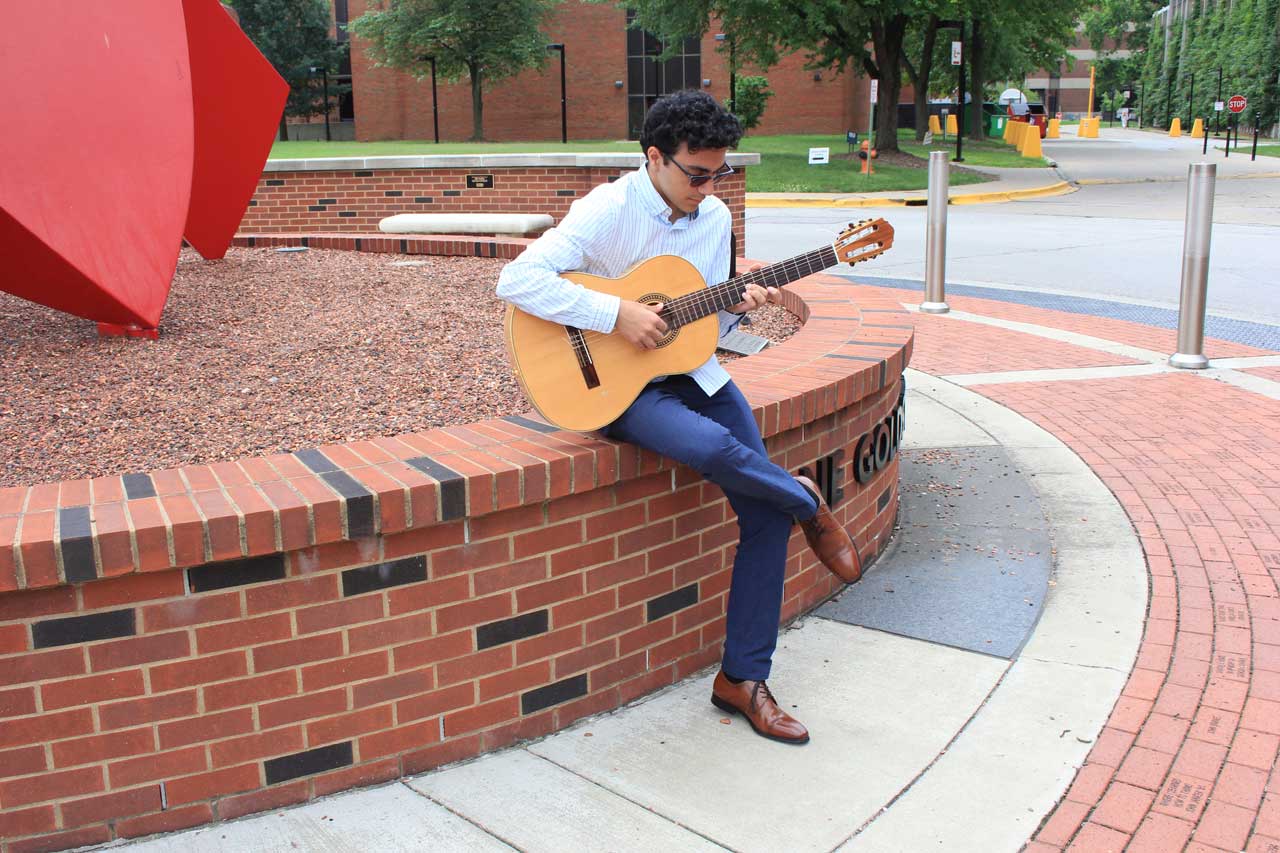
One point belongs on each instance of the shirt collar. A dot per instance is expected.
(653, 201)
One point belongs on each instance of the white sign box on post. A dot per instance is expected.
(819, 155)
(955, 53)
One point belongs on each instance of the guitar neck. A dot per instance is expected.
(723, 296)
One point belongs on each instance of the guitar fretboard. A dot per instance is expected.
(723, 296)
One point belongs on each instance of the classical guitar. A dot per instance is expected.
(583, 380)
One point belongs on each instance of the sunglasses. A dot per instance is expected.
(699, 180)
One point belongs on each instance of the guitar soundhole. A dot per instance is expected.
(672, 331)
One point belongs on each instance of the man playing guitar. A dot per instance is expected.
(699, 418)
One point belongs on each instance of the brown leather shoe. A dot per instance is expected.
(828, 539)
(753, 700)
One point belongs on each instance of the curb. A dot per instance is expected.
(1059, 188)
(1170, 180)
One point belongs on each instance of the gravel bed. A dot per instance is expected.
(259, 353)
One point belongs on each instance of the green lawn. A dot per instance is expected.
(990, 152)
(784, 165)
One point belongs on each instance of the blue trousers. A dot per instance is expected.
(717, 436)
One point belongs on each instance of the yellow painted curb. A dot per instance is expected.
(1060, 188)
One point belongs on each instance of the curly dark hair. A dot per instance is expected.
(692, 117)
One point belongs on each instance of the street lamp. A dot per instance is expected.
(435, 102)
(564, 109)
(325, 72)
(959, 25)
(733, 73)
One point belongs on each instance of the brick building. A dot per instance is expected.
(1066, 89)
(611, 76)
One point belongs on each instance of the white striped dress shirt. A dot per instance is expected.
(605, 233)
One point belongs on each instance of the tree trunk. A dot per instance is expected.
(921, 82)
(284, 128)
(477, 102)
(887, 37)
(977, 62)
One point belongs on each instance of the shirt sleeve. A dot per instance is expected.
(532, 282)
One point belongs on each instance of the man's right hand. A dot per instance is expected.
(640, 324)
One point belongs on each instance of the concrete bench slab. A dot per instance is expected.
(466, 223)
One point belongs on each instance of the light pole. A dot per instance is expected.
(733, 73)
(324, 71)
(564, 108)
(435, 102)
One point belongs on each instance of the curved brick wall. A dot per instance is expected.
(192, 645)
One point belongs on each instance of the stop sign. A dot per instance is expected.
(1237, 103)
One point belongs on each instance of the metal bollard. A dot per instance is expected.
(1195, 267)
(935, 240)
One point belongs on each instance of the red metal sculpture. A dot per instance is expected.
(129, 125)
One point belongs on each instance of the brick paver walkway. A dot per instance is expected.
(1187, 760)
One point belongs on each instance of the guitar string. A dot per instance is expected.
(684, 309)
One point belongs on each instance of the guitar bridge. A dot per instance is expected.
(585, 363)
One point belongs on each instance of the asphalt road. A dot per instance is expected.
(1116, 240)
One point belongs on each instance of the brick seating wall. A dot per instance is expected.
(357, 200)
(183, 646)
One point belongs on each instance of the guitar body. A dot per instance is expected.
(551, 370)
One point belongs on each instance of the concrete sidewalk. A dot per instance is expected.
(1073, 641)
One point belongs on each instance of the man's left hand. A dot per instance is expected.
(755, 296)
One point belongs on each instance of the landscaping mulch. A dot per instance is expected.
(262, 352)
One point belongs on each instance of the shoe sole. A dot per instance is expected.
(730, 709)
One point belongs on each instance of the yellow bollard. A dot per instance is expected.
(1028, 130)
(1053, 129)
(1015, 134)
(934, 126)
(1031, 147)
(1175, 127)
(1008, 131)
(951, 123)
(1197, 129)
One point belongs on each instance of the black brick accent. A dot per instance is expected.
(83, 629)
(884, 325)
(475, 249)
(316, 208)
(275, 182)
(424, 199)
(529, 423)
(306, 242)
(493, 250)
(315, 460)
(75, 538)
(883, 500)
(312, 761)
(665, 605)
(326, 201)
(854, 342)
(253, 241)
(139, 485)
(553, 694)
(359, 244)
(566, 193)
(884, 367)
(348, 214)
(404, 246)
(453, 486)
(253, 202)
(221, 575)
(362, 174)
(452, 193)
(384, 575)
(613, 178)
(393, 193)
(510, 630)
(359, 503)
(855, 357)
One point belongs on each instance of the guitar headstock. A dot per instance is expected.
(863, 240)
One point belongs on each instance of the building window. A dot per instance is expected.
(649, 78)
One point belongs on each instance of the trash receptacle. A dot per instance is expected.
(995, 125)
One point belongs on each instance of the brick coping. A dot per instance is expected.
(485, 161)
(59, 533)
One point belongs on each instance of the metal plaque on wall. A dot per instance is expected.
(479, 182)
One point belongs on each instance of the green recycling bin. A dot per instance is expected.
(995, 125)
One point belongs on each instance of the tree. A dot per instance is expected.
(294, 37)
(487, 41)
